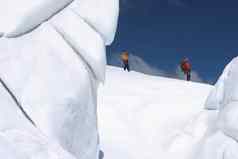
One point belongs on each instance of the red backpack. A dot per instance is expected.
(185, 66)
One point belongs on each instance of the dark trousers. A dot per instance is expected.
(188, 75)
(126, 67)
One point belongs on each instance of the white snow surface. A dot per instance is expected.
(57, 90)
(146, 117)
(100, 14)
(20, 17)
(19, 139)
(52, 57)
(77, 21)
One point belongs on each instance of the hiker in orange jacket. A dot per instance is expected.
(125, 60)
(186, 68)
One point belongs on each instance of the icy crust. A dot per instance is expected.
(38, 12)
(22, 17)
(102, 15)
(84, 40)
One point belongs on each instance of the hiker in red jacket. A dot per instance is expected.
(186, 68)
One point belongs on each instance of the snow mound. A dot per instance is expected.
(222, 141)
(146, 117)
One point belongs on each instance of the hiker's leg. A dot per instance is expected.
(124, 67)
(128, 68)
(189, 76)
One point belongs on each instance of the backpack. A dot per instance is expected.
(125, 56)
(185, 66)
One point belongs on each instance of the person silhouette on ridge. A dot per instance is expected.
(125, 60)
(186, 68)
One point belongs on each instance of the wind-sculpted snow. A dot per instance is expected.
(22, 17)
(79, 37)
(30, 15)
(216, 98)
(94, 13)
(222, 142)
(52, 59)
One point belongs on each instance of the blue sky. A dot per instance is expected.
(158, 33)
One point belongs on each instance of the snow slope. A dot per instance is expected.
(146, 117)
